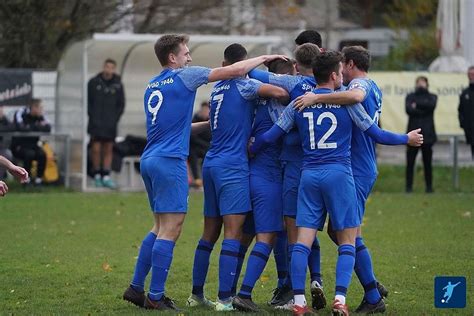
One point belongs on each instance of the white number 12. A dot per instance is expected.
(322, 142)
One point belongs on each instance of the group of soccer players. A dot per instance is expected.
(312, 154)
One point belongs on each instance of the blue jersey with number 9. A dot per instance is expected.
(232, 111)
(168, 103)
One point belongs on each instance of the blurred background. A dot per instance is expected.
(50, 50)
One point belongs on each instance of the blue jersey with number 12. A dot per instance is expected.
(168, 102)
(325, 131)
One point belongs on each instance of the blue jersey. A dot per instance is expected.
(267, 162)
(325, 131)
(296, 86)
(232, 111)
(169, 101)
(363, 157)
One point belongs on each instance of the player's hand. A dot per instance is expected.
(303, 101)
(19, 173)
(269, 58)
(249, 144)
(3, 188)
(415, 138)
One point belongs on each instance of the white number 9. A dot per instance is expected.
(154, 110)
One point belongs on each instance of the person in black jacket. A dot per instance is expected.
(106, 103)
(466, 110)
(420, 106)
(26, 148)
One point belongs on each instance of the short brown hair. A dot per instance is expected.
(35, 102)
(305, 54)
(325, 64)
(110, 61)
(359, 55)
(168, 44)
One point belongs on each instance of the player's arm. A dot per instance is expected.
(269, 91)
(260, 75)
(200, 127)
(365, 123)
(344, 97)
(241, 68)
(3, 188)
(18, 172)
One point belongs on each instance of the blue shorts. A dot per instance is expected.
(291, 182)
(327, 190)
(266, 204)
(226, 191)
(166, 182)
(363, 187)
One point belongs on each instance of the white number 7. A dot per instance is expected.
(219, 98)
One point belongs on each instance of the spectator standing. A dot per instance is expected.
(106, 103)
(199, 144)
(27, 148)
(5, 126)
(420, 106)
(466, 110)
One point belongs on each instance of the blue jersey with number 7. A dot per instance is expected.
(325, 131)
(168, 103)
(232, 111)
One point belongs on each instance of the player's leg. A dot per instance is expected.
(267, 215)
(135, 293)
(411, 158)
(373, 290)
(107, 148)
(280, 253)
(248, 235)
(170, 188)
(427, 153)
(309, 218)
(40, 157)
(211, 232)
(234, 204)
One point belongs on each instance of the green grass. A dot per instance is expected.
(74, 253)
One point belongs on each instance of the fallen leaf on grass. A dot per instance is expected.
(106, 267)
(466, 214)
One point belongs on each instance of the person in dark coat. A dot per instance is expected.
(466, 110)
(199, 144)
(106, 103)
(26, 148)
(420, 106)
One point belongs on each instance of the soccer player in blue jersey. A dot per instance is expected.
(168, 102)
(364, 90)
(291, 158)
(226, 176)
(266, 196)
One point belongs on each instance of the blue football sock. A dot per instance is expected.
(344, 267)
(363, 269)
(289, 253)
(281, 257)
(299, 262)
(314, 262)
(240, 263)
(162, 256)
(257, 261)
(201, 266)
(143, 265)
(228, 261)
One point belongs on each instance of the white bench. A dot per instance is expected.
(130, 179)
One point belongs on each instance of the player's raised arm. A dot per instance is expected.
(241, 68)
(269, 91)
(365, 123)
(344, 97)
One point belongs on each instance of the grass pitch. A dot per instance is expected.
(74, 253)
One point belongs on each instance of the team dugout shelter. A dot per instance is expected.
(136, 64)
